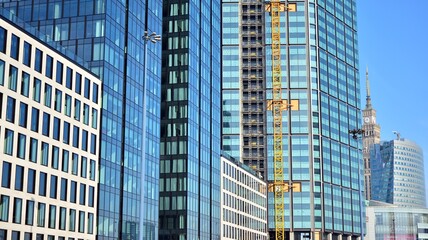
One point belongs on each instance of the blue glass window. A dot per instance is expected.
(92, 170)
(59, 66)
(93, 143)
(85, 114)
(62, 215)
(77, 109)
(81, 221)
(45, 154)
(87, 88)
(68, 78)
(78, 83)
(91, 196)
(21, 150)
(6, 174)
(17, 214)
(56, 128)
(2, 66)
(72, 220)
(65, 158)
(48, 95)
(49, 66)
(46, 125)
(94, 93)
(14, 47)
(3, 37)
(29, 214)
(42, 183)
(19, 178)
(53, 187)
(82, 195)
(26, 60)
(73, 189)
(36, 89)
(31, 181)
(34, 119)
(4, 208)
(52, 216)
(55, 157)
(8, 142)
(74, 163)
(94, 118)
(58, 100)
(66, 133)
(34, 143)
(63, 193)
(76, 136)
(38, 61)
(25, 84)
(83, 167)
(84, 140)
(10, 109)
(13, 78)
(41, 215)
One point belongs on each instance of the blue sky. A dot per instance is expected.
(393, 43)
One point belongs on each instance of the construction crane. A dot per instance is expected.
(277, 105)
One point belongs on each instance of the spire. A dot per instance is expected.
(368, 98)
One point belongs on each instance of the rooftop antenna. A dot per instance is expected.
(398, 134)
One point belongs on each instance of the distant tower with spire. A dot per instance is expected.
(371, 135)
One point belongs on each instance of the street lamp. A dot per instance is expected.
(154, 38)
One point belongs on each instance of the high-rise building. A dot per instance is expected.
(290, 92)
(371, 136)
(190, 121)
(398, 173)
(49, 131)
(108, 35)
(243, 202)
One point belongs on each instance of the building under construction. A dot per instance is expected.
(290, 93)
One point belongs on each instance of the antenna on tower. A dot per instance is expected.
(398, 134)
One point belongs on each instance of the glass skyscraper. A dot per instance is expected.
(108, 35)
(319, 74)
(398, 173)
(190, 115)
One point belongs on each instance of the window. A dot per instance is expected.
(77, 109)
(17, 211)
(29, 213)
(66, 133)
(73, 189)
(59, 72)
(38, 61)
(72, 220)
(23, 114)
(34, 119)
(53, 187)
(3, 38)
(46, 125)
(84, 140)
(16, 234)
(78, 84)
(2, 66)
(83, 167)
(76, 137)
(63, 193)
(14, 47)
(8, 142)
(62, 214)
(82, 195)
(33, 149)
(67, 106)
(13, 77)
(49, 66)
(55, 157)
(48, 95)
(65, 157)
(56, 128)
(5, 177)
(95, 93)
(22, 140)
(19, 177)
(68, 78)
(90, 223)
(52, 216)
(36, 89)
(42, 184)
(92, 167)
(45, 154)
(25, 84)
(31, 181)
(94, 118)
(10, 109)
(4, 208)
(91, 196)
(74, 163)
(81, 221)
(86, 114)
(28, 236)
(26, 60)
(41, 214)
(87, 88)
(58, 98)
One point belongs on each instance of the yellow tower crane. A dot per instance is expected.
(277, 105)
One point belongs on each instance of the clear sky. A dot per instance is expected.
(393, 43)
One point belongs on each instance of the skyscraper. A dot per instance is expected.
(108, 35)
(290, 90)
(371, 136)
(190, 125)
(398, 173)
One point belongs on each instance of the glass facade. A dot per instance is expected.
(190, 127)
(398, 173)
(319, 73)
(108, 36)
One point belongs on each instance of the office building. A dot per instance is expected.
(290, 95)
(49, 133)
(108, 36)
(389, 221)
(243, 202)
(371, 136)
(190, 121)
(398, 173)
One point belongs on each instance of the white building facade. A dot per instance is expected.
(49, 127)
(243, 202)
